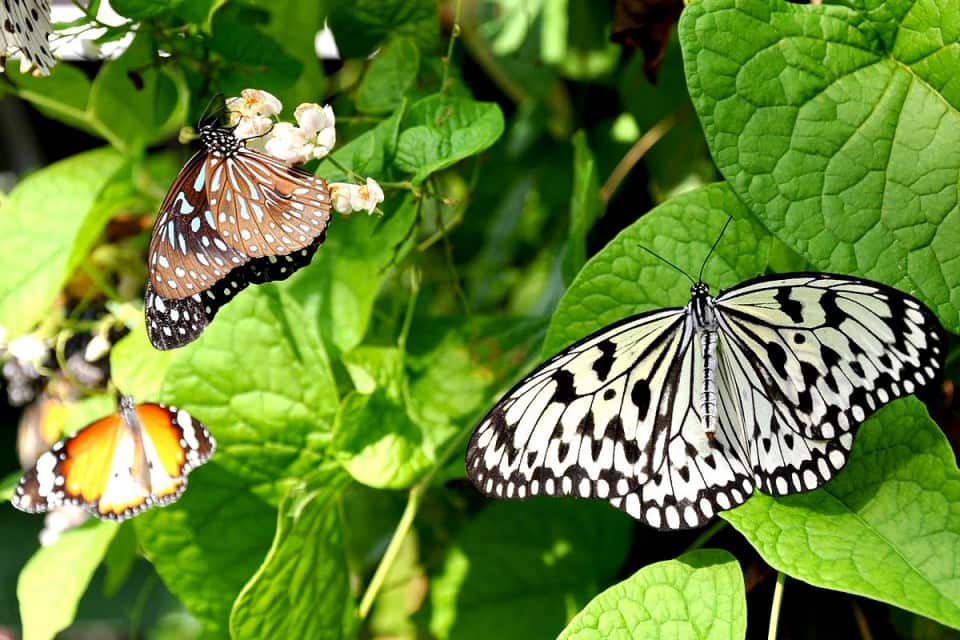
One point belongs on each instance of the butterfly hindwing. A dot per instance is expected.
(120, 465)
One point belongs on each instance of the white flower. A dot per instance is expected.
(340, 195)
(313, 118)
(28, 349)
(98, 347)
(349, 197)
(288, 143)
(250, 114)
(367, 196)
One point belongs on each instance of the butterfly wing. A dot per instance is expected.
(172, 322)
(115, 470)
(187, 254)
(700, 475)
(588, 422)
(265, 207)
(805, 358)
(25, 26)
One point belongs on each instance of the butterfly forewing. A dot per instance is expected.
(586, 423)
(265, 207)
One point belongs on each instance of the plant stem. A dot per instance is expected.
(705, 537)
(775, 606)
(454, 33)
(399, 535)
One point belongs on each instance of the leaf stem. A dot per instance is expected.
(775, 606)
(399, 535)
(639, 149)
(705, 537)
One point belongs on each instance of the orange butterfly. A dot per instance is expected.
(120, 465)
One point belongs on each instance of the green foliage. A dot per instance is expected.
(698, 595)
(341, 399)
(840, 144)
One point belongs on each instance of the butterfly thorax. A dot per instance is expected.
(219, 141)
(704, 318)
(139, 470)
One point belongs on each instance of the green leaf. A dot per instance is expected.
(439, 131)
(585, 205)
(206, 546)
(48, 594)
(253, 58)
(119, 559)
(112, 107)
(260, 380)
(575, 36)
(623, 279)
(378, 443)
(303, 587)
(456, 366)
(370, 153)
(341, 284)
(138, 116)
(698, 595)
(136, 368)
(885, 527)
(532, 563)
(144, 9)
(361, 26)
(842, 146)
(46, 225)
(390, 75)
(7, 485)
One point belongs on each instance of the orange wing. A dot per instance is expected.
(119, 465)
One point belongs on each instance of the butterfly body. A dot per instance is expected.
(120, 465)
(676, 414)
(232, 218)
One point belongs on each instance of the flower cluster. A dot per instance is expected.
(312, 138)
(253, 116)
(348, 197)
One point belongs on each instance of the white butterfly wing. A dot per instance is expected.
(805, 358)
(25, 27)
(590, 421)
(700, 475)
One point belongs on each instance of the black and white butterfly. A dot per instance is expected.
(233, 217)
(677, 414)
(25, 29)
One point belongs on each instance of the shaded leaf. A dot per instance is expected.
(646, 25)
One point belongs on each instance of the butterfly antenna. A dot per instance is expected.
(715, 243)
(664, 260)
(208, 115)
